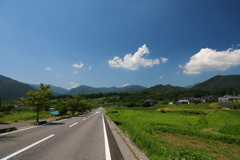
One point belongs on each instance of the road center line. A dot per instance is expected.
(73, 124)
(107, 150)
(24, 149)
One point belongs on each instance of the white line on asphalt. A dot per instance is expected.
(24, 149)
(107, 150)
(18, 130)
(84, 119)
(73, 124)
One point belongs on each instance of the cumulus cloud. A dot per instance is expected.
(164, 60)
(48, 68)
(160, 77)
(125, 85)
(211, 60)
(73, 85)
(75, 65)
(134, 62)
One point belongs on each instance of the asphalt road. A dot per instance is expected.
(86, 137)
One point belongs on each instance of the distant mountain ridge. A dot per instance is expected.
(57, 90)
(91, 90)
(12, 89)
(218, 82)
(164, 88)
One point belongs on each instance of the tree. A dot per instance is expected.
(63, 110)
(72, 105)
(39, 99)
(77, 104)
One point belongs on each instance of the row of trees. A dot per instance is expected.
(75, 104)
(40, 99)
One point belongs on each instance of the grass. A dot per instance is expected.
(24, 116)
(182, 131)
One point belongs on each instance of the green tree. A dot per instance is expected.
(63, 110)
(72, 105)
(77, 104)
(39, 99)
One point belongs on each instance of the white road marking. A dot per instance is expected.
(107, 150)
(73, 124)
(18, 130)
(24, 149)
(84, 119)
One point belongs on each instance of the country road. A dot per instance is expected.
(86, 137)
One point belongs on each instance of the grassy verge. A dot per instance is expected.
(181, 132)
(24, 116)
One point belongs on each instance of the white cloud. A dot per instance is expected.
(160, 77)
(126, 85)
(73, 85)
(134, 62)
(90, 67)
(164, 60)
(180, 66)
(48, 68)
(75, 65)
(75, 72)
(211, 60)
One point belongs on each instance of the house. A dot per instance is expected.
(186, 100)
(228, 98)
(151, 102)
(223, 99)
(207, 98)
(170, 102)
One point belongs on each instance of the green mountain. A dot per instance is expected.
(218, 82)
(12, 89)
(56, 90)
(91, 90)
(164, 88)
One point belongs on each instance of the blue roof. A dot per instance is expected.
(55, 113)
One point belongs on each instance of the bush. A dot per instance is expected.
(235, 105)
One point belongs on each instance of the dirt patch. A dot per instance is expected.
(164, 109)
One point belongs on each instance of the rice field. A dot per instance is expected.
(181, 131)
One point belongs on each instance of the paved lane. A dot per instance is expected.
(76, 138)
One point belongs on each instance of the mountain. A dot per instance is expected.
(12, 89)
(190, 86)
(91, 90)
(164, 88)
(218, 82)
(57, 90)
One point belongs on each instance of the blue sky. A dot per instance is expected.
(104, 43)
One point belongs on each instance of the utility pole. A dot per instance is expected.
(83, 93)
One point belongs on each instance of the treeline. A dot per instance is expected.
(138, 99)
(73, 105)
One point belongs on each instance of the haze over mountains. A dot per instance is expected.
(13, 89)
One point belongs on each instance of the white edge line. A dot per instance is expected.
(73, 124)
(18, 130)
(24, 149)
(107, 150)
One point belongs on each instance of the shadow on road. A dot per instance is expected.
(55, 123)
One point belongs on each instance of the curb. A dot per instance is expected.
(4, 130)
